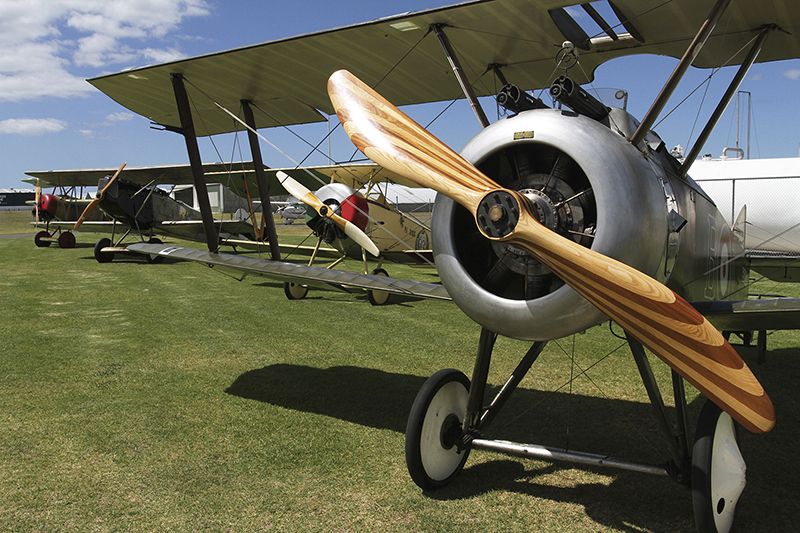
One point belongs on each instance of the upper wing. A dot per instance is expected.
(298, 273)
(285, 80)
(229, 174)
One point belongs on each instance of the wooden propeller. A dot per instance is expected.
(299, 191)
(97, 199)
(650, 312)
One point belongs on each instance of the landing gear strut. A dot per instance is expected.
(449, 416)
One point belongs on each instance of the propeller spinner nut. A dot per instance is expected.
(497, 214)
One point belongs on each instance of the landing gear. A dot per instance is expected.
(450, 416)
(99, 254)
(433, 433)
(718, 471)
(66, 240)
(39, 239)
(378, 297)
(295, 291)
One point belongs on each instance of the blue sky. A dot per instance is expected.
(51, 118)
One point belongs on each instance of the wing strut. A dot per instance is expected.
(198, 177)
(459, 72)
(677, 74)
(263, 189)
(726, 99)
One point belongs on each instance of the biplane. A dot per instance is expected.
(132, 205)
(59, 208)
(137, 207)
(556, 218)
(291, 211)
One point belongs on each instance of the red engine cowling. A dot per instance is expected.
(48, 203)
(356, 210)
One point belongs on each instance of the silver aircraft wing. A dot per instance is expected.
(309, 275)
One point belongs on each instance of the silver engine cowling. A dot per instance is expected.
(588, 184)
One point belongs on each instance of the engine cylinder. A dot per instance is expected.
(586, 183)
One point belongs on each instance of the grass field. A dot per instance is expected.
(169, 397)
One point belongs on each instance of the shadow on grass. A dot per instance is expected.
(619, 428)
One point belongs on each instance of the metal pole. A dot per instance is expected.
(261, 179)
(680, 70)
(726, 99)
(462, 79)
(187, 129)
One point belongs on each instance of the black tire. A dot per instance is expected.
(294, 291)
(434, 429)
(718, 471)
(37, 239)
(66, 240)
(103, 257)
(155, 259)
(378, 297)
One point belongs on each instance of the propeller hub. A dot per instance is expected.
(497, 214)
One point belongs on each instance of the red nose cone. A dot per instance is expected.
(356, 210)
(49, 203)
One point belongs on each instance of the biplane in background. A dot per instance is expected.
(132, 205)
(576, 212)
(138, 209)
(59, 208)
(291, 211)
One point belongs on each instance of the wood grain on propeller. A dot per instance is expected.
(650, 312)
(97, 199)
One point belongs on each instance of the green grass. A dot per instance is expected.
(16, 222)
(169, 397)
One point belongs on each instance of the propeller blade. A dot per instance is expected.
(96, 200)
(651, 313)
(299, 191)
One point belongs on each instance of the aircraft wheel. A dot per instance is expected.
(38, 239)
(295, 291)
(155, 258)
(378, 297)
(434, 430)
(66, 240)
(718, 471)
(103, 257)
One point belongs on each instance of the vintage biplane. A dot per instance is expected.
(60, 209)
(139, 209)
(127, 206)
(291, 211)
(553, 219)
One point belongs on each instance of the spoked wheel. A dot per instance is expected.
(718, 471)
(99, 254)
(38, 239)
(378, 297)
(434, 430)
(66, 240)
(155, 258)
(295, 291)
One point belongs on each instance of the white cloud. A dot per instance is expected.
(46, 46)
(31, 126)
(792, 74)
(122, 116)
